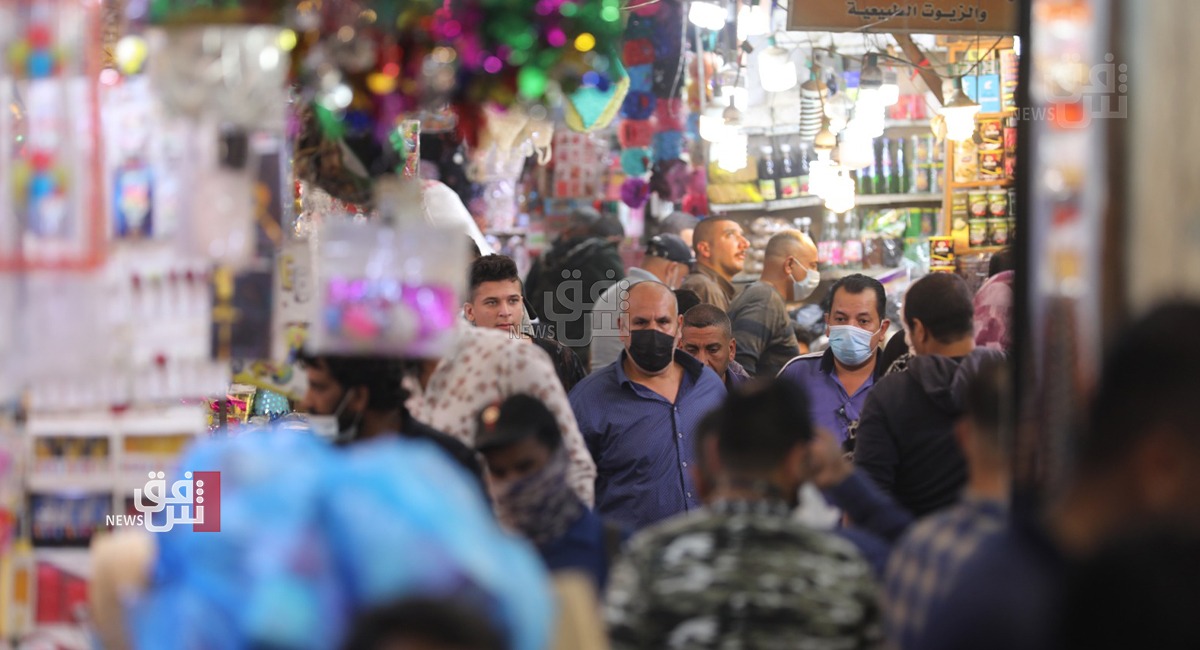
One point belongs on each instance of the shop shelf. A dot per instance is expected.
(90, 482)
(1004, 182)
(979, 250)
(736, 207)
(897, 199)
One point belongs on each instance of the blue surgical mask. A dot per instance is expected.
(851, 345)
(805, 288)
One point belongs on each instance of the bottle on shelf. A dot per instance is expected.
(883, 166)
(895, 154)
(789, 173)
(829, 246)
(866, 179)
(852, 246)
(768, 174)
(803, 158)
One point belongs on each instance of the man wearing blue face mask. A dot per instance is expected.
(766, 340)
(839, 379)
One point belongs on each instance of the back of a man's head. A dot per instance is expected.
(762, 423)
(425, 623)
(989, 406)
(1148, 382)
(687, 300)
(705, 315)
(380, 376)
(944, 305)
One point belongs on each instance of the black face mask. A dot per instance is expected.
(651, 350)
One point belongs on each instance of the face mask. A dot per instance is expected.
(802, 290)
(651, 350)
(539, 506)
(851, 345)
(331, 428)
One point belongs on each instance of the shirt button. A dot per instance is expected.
(685, 464)
(681, 435)
(689, 495)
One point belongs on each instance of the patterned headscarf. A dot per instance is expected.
(540, 506)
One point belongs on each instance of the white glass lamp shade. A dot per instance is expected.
(960, 114)
(841, 195)
(776, 70)
(707, 14)
(869, 113)
(731, 152)
(752, 21)
(856, 150)
(837, 109)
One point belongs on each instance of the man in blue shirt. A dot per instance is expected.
(839, 379)
(638, 415)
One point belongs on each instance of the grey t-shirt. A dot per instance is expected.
(763, 331)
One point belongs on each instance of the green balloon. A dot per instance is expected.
(531, 82)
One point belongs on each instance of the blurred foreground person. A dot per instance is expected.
(424, 624)
(527, 471)
(309, 539)
(1137, 468)
(741, 572)
(352, 399)
(925, 562)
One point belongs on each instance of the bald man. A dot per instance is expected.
(720, 254)
(638, 414)
(766, 340)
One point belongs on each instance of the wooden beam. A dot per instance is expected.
(914, 54)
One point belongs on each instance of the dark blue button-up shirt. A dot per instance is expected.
(642, 444)
(829, 404)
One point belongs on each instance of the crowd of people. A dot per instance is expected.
(661, 449)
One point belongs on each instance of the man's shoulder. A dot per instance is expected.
(802, 365)
(789, 535)
(603, 379)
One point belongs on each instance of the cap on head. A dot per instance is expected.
(514, 419)
(671, 248)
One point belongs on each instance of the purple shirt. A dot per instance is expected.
(829, 404)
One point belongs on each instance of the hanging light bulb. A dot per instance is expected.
(712, 123)
(707, 14)
(752, 21)
(856, 150)
(841, 196)
(731, 152)
(776, 70)
(889, 92)
(825, 141)
(868, 111)
(821, 174)
(837, 109)
(960, 114)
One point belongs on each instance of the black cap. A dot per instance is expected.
(516, 418)
(672, 248)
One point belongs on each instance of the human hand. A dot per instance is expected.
(827, 462)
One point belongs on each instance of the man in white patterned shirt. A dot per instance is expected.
(485, 366)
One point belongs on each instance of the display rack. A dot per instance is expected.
(951, 187)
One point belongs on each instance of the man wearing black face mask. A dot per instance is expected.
(350, 399)
(638, 415)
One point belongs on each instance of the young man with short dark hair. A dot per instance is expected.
(905, 440)
(497, 301)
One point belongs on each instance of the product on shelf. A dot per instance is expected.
(941, 255)
(966, 161)
(829, 247)
(768, 174)
(852, 245)
(1010, 147)
(789, 173)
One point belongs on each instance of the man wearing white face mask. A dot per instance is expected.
(766, 340)
(839, 379)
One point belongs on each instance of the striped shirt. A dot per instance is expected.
(925, 563)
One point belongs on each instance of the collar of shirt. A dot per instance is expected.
(640, 274)
(726, 286)
(770, 506)
(829, 367)
(691, 367)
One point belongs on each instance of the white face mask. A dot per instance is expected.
(804, 289)
(329, 426)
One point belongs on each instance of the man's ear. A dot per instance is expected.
(360, 396)
(794, 470)
(703, 249)
(732, 347)
(469, 312)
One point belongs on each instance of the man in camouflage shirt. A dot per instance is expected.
(742, 573)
